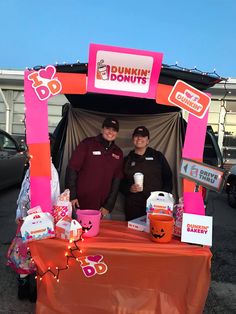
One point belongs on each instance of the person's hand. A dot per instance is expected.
(18, 220)
(135, 188)
(104, 212)
(75, 203)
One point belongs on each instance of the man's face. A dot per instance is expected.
(109, 134)
(140, 141)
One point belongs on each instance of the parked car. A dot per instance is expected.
(212, 154)
(13, 161)
(231, 187)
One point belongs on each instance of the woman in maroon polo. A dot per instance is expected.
(95, 170)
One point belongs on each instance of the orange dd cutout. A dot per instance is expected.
(72, 83)
(162, 94)
(40, 167)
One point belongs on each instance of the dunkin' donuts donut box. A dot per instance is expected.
(161, 203)
(37, 225)
(138, 224)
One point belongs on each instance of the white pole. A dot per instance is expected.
(7, 111)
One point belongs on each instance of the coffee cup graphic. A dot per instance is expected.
(102, 70)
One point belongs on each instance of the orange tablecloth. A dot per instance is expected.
(135, 274)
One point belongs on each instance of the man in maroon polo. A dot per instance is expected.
(95, 170)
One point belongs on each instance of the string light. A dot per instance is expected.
(69, 255)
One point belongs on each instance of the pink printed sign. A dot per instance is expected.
(44, 82)
(39, 87)
(121, 71)
(195, 133)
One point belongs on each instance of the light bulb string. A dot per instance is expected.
(69, 255)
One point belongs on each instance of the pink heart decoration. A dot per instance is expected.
(94, 258)
(188, 95)
(48, 72)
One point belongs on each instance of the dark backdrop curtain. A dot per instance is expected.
(165, 136)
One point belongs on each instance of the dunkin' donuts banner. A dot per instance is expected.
(121, 71)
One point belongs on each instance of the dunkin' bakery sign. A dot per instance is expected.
(189, 98)
(121, 71)
(197, 229)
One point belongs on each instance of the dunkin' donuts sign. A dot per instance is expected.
(189, 98)
(197, 229)
(120, 71)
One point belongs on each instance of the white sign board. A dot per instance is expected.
(205, 175)
(197, 229)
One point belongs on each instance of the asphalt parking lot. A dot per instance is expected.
(222, 293)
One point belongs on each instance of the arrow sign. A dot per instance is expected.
(185, 168)
(203, 174)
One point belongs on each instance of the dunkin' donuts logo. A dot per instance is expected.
(92, 265)
(197, 228)
(122, 73)
(45, 83)
(189, 98)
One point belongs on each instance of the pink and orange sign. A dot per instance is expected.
(189, 98)
(121, 71)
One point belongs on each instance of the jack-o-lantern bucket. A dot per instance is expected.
(161, 228)
(90, 221)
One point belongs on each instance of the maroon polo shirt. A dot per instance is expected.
(96, 167)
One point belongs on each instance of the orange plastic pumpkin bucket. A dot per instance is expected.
(161, 228)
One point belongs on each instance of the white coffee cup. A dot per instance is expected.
(138, 179)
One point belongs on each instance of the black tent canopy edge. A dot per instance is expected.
(135, 105)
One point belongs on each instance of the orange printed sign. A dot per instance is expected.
(189, 98)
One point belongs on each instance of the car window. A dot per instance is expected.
(6, 143)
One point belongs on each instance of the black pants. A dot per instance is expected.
(135, 205)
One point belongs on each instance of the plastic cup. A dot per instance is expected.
(90, 221)
(161, 228)
(138, 179)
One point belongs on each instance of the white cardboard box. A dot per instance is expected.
(37, 226)
(68, 229)
(138, 224)
(160, 203)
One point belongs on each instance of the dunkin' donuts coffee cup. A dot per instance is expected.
(138, 179)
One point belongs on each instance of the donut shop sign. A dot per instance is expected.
(121, 71)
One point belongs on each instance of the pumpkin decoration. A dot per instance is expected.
(90, 221)
(161, 228)
(157, 234)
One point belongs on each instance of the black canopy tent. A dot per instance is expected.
(132, 105)
(83, 115)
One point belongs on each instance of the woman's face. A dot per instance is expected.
(109, 134)
(140, 141)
